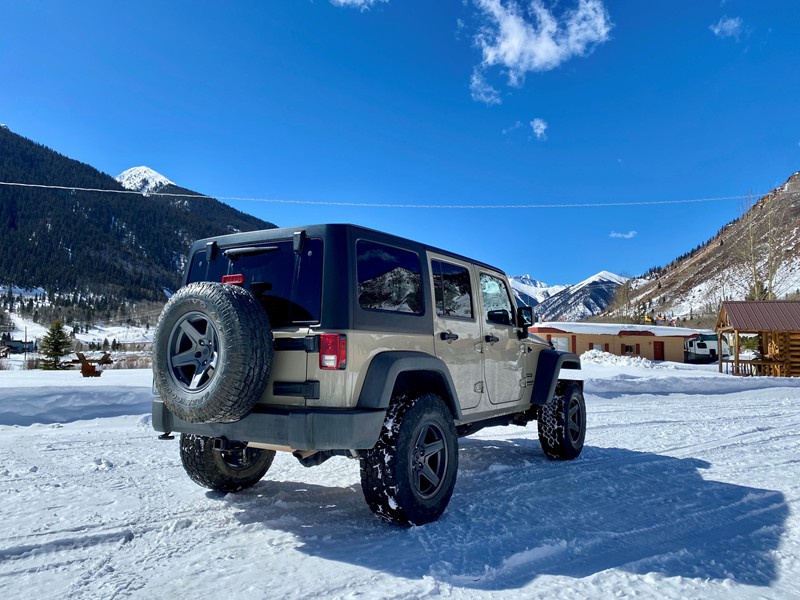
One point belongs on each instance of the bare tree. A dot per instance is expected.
(624, 307)
(760, 254)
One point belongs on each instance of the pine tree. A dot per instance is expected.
(55, 346)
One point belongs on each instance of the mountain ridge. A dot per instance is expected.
(753, 257)
(132, 246)
(121, 246)
(574, 302)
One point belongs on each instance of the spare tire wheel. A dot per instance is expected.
(213, 351)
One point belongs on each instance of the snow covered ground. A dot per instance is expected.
(27, 330)
(688, 487)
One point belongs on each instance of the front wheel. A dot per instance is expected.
(230, 470)
(409, 476)
(562, 422)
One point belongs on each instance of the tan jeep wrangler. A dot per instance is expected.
(336, 340)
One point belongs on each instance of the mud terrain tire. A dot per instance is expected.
(213, 352)
(409, 476)
(223, 471)
(562, 422)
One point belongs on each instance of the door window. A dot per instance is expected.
(453, 291)
(496, 300)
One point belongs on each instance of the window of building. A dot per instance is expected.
(560, 343)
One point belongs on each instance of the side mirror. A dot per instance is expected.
(524, 319)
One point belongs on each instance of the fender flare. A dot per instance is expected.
(547, 370)
(386, 367)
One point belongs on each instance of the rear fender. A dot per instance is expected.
(407, 372)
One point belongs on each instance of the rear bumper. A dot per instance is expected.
(298, 428)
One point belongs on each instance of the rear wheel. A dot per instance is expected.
(231, 470)
(409, 476)
(562, 422)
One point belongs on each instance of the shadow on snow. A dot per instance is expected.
(516, 516)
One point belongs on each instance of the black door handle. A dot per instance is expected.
(491, 339)
(447, 336)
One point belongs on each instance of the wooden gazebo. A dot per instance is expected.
(777, 325)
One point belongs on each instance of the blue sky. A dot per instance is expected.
(489, 103)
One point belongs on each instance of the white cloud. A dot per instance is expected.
(361, 4)
(727, 27)
(461, 27)
(536, 39)
(514, 127)
(624, 236)
(481, 90)
(539, 127)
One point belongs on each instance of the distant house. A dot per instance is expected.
(776, 323)
(18, 346)
(652, 342)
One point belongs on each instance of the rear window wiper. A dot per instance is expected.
(234, 253)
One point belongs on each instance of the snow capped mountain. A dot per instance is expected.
(602, 278)
(143, 179)
(568, 302)
(531, 292)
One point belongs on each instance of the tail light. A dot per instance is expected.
(237, 279)
(332, 351)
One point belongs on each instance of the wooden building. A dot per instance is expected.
(648, 341)
(776, 323)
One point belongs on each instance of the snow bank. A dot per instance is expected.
(28, 397)
(599, 357)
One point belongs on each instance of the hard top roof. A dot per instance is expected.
(251, 237)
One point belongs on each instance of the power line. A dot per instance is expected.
(385, 204)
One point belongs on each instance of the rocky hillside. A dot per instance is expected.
(754, 257)
(120, 245)
(757, 256)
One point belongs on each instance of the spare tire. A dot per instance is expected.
(213, 352)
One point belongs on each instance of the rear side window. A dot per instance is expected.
(389, 278)
(453, 290)
(288, 284)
